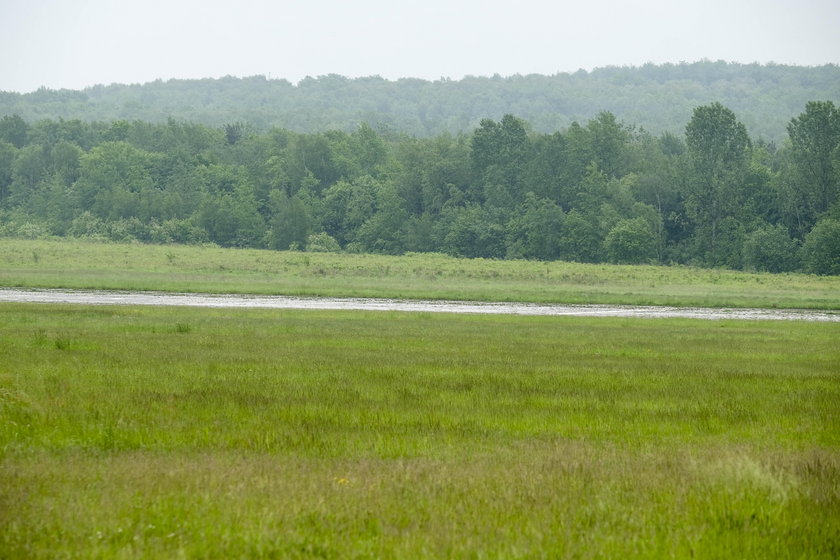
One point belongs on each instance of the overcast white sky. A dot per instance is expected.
(79, 43)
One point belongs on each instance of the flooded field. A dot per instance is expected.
(362, 304)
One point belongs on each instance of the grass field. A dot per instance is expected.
(154, 432)
(78, 264)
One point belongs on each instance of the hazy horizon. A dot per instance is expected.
(431, 80)
(79, 44)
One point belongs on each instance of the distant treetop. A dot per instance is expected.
(658, 98)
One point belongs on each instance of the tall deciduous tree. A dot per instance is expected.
(7, 158)
(369, 150)
(609, 140)
(718, 149)
(28, 169)
(815, 140)
(13, 130)
(536, 231)
(64, 158)
(499, 154)
(347, 205)
(112, 177)
(289, 224)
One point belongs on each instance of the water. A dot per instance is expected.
(240, 301)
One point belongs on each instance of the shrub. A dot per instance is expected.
(770, 249)
(322, 243)
(631, 242)
(821, 249)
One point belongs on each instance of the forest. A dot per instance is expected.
(657, 98)
(598, 191)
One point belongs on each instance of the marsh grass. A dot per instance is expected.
(80, 264)
(372, 435)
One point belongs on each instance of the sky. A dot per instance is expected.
(76, 44)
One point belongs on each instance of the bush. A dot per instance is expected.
(177, 231)
(88, 226)
(631, 242)
(770, 249)
(581, 240)
(474, 233)
(24, 226)
(322, 243)
(821, 249)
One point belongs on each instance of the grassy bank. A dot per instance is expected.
(78, 264)
(145, 432)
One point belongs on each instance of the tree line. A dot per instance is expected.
(659, 98)
(599, 191)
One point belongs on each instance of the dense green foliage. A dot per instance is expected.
(601, 191)
(659, 98)
(161, 433)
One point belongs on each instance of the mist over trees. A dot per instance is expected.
(658, 98)
(601, 190)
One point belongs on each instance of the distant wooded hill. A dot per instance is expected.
(658, 98)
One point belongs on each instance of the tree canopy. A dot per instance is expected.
(597, 191)
(658, 98)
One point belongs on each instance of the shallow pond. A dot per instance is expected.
(286, 302)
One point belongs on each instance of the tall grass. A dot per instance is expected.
(143, 432)
(78, 264)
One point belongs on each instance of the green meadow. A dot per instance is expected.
(130, 432)
(90, 265)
